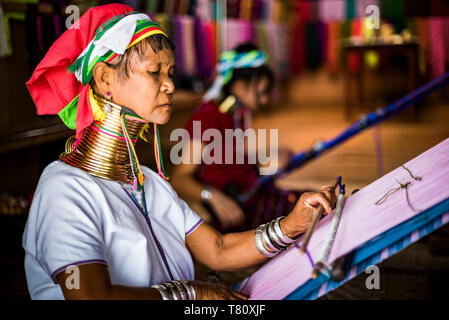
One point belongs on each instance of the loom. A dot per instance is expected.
(369, 232)
(364, 122)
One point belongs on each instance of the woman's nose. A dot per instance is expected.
(168, 85)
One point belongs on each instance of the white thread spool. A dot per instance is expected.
(329, 242)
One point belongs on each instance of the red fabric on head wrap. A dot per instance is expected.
(52, 86)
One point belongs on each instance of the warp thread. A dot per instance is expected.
(309, 256)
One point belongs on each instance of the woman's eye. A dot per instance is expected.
(154, 73)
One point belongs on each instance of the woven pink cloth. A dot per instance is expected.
(361, 221)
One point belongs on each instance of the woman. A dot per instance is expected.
(101, 226)
(243, 85)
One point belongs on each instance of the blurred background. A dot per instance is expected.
(330, 69)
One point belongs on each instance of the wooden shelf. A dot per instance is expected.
(53, 129)
(42, 8)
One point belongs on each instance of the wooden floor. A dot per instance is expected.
(401, 139)
(418, 272)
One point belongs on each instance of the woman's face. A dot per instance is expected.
(148, 89)
(254, 94)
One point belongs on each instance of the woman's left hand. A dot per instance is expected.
(299, 220)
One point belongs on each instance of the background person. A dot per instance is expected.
(243, 85)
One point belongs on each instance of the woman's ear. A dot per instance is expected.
(104, 77)
(239, 88)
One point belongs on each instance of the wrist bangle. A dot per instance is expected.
(181, 290)
(259, 243)
(175, 294)
(281, 235)
(206, 194)
(274, 238)
(267, 241)
(176, 290)
(163, 291)
(191, 292)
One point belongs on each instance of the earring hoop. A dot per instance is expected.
(108, 95)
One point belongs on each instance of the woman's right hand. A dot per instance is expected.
(227, 210)
(215, 291)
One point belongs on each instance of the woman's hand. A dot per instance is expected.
(215, 291)
(302, 214)
(228, 211)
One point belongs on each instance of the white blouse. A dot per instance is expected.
(76, 218)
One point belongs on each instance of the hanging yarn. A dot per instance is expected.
(331, 10)
(297, 56)
(323, 34)
(278, 50)
(350, 9)
(180, 45)
(189, 51)
(439, 7)
(201, 56)
(333, 50)
(305, 11)
(138, 175)
(135, 166)
(438, 47)
(158, 154)
(312, 49)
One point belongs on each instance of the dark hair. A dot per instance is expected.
(124, 62)
(249, 74)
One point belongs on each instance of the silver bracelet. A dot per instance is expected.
(176, 290)
(259, 243)
(181, 290)
(163, 291)
(281, 235)
(275, 239)
(267, 241)
(206, 194)
(175, 294)
(191, 292)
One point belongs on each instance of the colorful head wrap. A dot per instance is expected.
(100, 34)
(230, 60)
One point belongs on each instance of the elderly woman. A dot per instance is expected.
(101, 226)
